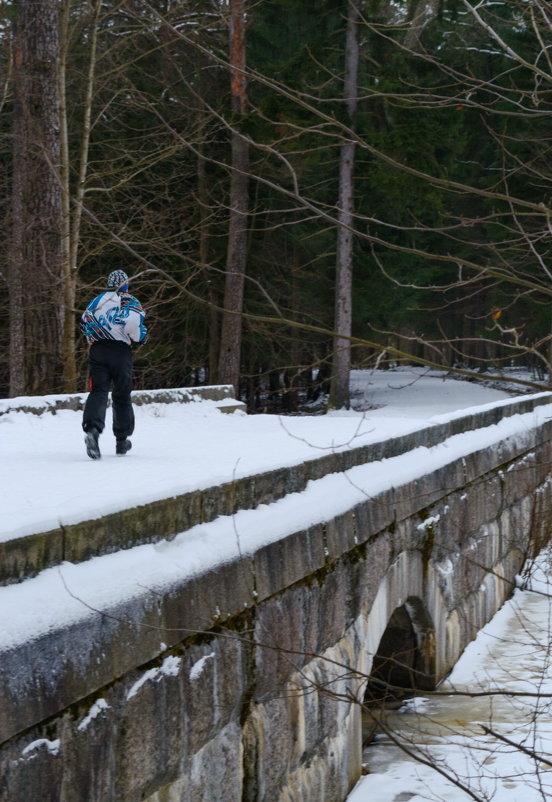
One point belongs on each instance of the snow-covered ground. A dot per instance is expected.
(48, 480)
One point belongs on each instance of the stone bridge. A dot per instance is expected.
(245, 683)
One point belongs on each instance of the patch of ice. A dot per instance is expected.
(197, 668)
(95, 710)
(169, 667)
(52, 747)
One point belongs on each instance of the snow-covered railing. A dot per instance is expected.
(22, 557)
(39, 404)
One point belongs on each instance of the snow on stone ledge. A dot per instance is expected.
(38, 404)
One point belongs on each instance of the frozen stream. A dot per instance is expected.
(510, 663)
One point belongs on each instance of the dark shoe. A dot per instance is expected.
(91, 442)
(122, 446)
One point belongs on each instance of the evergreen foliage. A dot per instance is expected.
(451, 165)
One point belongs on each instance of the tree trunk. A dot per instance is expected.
(341, 362)
(69, 364)
(71, 217)
(15, 282)
(204, 238)
(36, 237)
(231, 328)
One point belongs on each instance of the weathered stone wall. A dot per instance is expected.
(241, 684)
(223, 394)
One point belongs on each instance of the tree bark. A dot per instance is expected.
(69, 364)
(15, 281)
(236, 260)
(204, 239)
(341, 362)
(36, 236)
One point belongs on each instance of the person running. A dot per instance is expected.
(112, 323)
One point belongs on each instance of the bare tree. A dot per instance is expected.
(341, 363)
(72, 202)
(230, 336)
(466, 272)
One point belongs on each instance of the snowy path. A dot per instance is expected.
(48, 480)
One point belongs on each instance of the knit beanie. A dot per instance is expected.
(117, 280)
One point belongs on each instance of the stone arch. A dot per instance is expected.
(405, 658)
(399, 622)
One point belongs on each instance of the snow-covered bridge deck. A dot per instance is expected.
(298, 495)
(189, 465)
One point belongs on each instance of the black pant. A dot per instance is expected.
(110, 363)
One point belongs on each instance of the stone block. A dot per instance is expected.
(454, 511)
(88, 735)
(32, 765)
(516, 523)
(288, 560)
(478, 558)
(132, 527)
(215, 683)
(374, 515)
(244, 495)
(150, 730)
(406, 442)
(43, 676)
(345, 460)
(26, 556)
(286, 634)
(479, 463)
(296, 478)
(333, 604)
(367, 572)
(543, 455)
(517, 445)
(519, 479)
(329, 463)
(341, 534)
(541, 517)
(272, 736)
(218, 766)
(482, 502)
(270, 486)
(424, 491)
(217, 501)
(449, 479)
(206, 600)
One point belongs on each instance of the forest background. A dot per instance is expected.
(294, 188)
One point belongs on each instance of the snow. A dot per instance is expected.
(179, 447)
(416, 393)
(197, 668)
(94, 712)
(182, 447)
(511, 655)
(168, 668)
(52, 747)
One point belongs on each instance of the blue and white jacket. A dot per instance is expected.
(114, 316)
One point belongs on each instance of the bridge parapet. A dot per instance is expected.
(219, 680)
(222, 394)
(24, 557)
